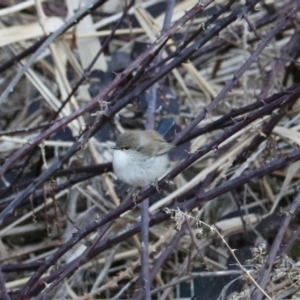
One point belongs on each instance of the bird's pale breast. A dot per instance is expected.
(137, 169)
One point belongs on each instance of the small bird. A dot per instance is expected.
(141, 157)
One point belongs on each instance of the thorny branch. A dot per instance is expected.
(265, 273)
(3, 289)
(144, 73)
(203, 197)
(151, 52)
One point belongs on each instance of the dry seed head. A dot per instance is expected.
(199, 233)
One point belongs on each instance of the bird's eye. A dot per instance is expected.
(125, 148)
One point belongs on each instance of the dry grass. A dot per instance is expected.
(228, 78)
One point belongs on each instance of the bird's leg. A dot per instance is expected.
(155, 184)
(136, 195)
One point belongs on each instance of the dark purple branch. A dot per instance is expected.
(265, 273)
(120, 96)
(23, 267)
(81, 80)
(162, 258)
(152, 51)
(289, 243)
(4, 293)
(24, 130)
(19, 175)
(225, 121)
(146, 291)
(144, 206)
(81, 13)
(225, 187)
(93, 103)
(150, 123)
(126, 205)
(17, 58)
(222, 46)
(230, 84)
(266, 130)
(76, 263)
(39, 194)
(266, 109)
(221, 123)
(83, 173)
(104, 93)
(107, 219)
(99, 169)
(199, 201)
(167, 251)
(168, 15)
(88, 69)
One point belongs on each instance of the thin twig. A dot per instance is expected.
(230, 84)
(144, 207)
(274, 165)
(177, 216)
(151, 52)
(197, 275)
(159, 217)
(150, 123)
(92, 5)
(4, 293)
(265, 273)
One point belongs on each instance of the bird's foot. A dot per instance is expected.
(155, 184)
(169, 182)
(136, 195)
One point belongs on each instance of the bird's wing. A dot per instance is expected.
(163, 147)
